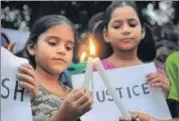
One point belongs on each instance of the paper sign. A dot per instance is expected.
(15, 101)
(132, 88)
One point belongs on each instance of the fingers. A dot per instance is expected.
(127, 119)
(28, 70)
(142, 116)
(26, 77)
(28, 66)
(123, 119)
(87, 105)
(31, 89)
(76, 94)
(151, 76)
(158, 80)
(11, 46)
(83, 99)
(85, 102)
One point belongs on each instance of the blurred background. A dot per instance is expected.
(162, 17)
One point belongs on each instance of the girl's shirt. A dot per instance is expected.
(46, 103)
(108, 65)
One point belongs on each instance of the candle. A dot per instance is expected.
(88, 72)
(111, 90)
(89, 77)
(89, 67)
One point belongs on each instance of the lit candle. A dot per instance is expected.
(89, 67)
(88, 72)
(83, 56)
(89, 76)
(111, 90)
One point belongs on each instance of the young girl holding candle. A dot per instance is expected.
(50, 50)
(130, 39)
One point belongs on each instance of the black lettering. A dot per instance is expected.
(129, 93)
(18, 90)
(107, 93)
(98, 97)
(3, 85)
(134, 91)
(145, 88)
(119, 90)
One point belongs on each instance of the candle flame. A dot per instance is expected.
(92, 48)
(83, 57)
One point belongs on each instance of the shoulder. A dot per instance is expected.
(107, 64)
(173, 57)
(161, 71)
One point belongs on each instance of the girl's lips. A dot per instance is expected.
(59, 59)
(126, 39)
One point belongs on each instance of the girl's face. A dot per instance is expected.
(124, 29)
(54, 49)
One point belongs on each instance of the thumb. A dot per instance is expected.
(11, 46)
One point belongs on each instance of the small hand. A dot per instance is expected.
(158, 80)
(26, 77)
(77, 103)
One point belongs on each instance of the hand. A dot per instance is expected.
(158, 80)
(139, 116)
(77, 103)
(143, 117)
(11, 46)
(26, 77)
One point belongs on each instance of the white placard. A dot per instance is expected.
(15, 101)
(134, 91)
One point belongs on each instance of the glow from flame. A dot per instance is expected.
(83, 57)
(92, 48)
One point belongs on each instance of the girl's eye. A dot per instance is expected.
(133, 23)
(116, 27)
(52, 43)
(69, 47)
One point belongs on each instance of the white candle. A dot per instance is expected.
(111, 90)
(88, 73)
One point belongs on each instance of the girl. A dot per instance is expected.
(124, 30)
(50, 50)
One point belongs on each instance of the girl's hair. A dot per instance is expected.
(41, 26)
(4, 40)
(95, 27)
(146, 49)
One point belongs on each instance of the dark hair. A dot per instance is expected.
(146, 49)
(41, 26)
(95, 27)
(4, 40)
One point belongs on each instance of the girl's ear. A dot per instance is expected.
(105, 36)
(31, 47)
(143, 33)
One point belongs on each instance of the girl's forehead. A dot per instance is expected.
(61, 28)
(124, 13)
(62, 31)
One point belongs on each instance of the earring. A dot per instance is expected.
(31, 52)
(107, 40)
(142, 37)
